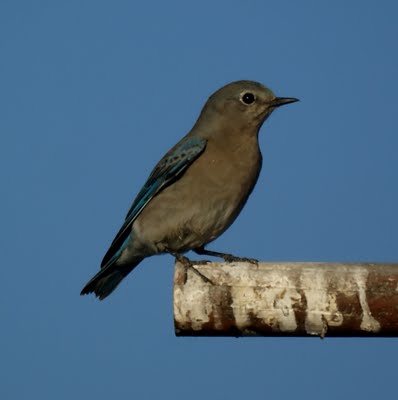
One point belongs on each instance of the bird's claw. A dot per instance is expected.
(225, 256)
(188, 264)
(230, 258)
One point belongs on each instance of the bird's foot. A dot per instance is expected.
(188, 264)
(227, 257)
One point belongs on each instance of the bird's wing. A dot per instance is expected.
(169, 168)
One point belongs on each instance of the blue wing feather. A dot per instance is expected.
(169, 168)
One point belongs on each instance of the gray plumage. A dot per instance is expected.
(198, 188)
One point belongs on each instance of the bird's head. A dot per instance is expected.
(243, 103)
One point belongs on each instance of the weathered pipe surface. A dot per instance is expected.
(287, 299)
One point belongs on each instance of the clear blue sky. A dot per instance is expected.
(93, 93)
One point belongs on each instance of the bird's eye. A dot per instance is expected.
(248, 98)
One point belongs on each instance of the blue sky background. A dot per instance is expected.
(93, 93)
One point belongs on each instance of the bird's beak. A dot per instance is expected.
(281, 101)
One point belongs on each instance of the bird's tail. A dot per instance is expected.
(108, 278)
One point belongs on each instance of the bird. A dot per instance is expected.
(197, 189)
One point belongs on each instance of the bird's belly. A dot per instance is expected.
(201, 225)
(182, 218)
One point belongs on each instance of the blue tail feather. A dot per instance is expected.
(108, 278)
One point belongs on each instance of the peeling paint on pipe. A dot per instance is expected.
(287, 299)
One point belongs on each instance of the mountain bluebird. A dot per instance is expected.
(198, 188)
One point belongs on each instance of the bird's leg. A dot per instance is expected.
(227, 257)
(187, 263)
